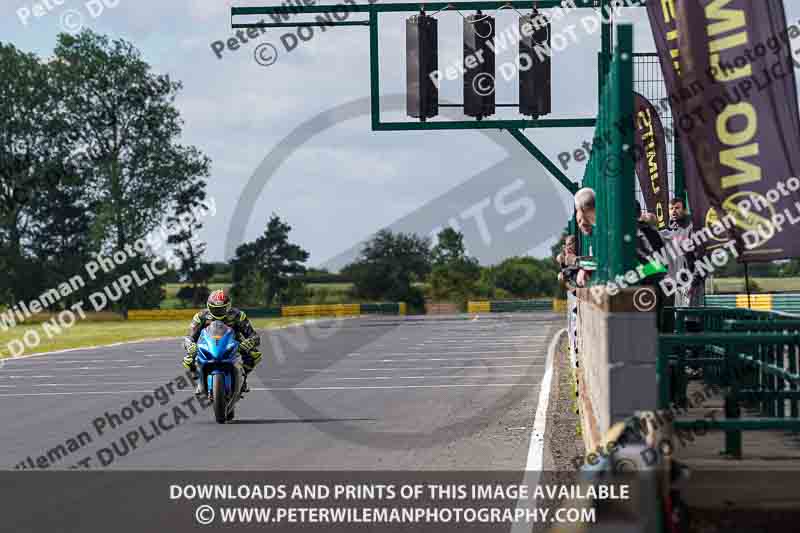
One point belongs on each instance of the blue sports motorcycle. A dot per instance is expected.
(219, 367)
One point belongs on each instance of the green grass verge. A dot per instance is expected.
(84, 334)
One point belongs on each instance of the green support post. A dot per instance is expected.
(733, 437)
(680, 176)
(619, 182)
(374, 72)
(373, 10)
(562, 178)
(606, 46)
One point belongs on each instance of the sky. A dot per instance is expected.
(292, 135)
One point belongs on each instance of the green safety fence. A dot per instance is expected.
(610, 171)
(710, 319)
(516, 306)
(389, 308)
(786, 303)
(753, 356)
(511, 306)
(382, 309)
(392, 308)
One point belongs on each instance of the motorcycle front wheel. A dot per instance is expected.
(218, 392)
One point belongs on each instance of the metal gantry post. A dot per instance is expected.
(680, 176)
(374, 70)
(620, 179)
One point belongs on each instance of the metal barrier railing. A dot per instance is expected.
(610, 171)
(753, 355)
(696, 319)
(785, 303)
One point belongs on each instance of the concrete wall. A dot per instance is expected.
(442, 308)
(616, 358)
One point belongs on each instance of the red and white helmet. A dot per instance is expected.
(218, 304)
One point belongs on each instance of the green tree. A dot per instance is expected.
(249, 289)
(191, 295)
(388, 265)
(184, 225)
(34, 154)
(125, 127)
(526, 277)
(58, 233)
(792, 268)
(454, 274)
(449, 248)
(221, 272)
(185, 295)
(274, 259)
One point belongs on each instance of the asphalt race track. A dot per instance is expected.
(379, 393)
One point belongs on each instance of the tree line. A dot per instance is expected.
(390, 267)
(90, 163)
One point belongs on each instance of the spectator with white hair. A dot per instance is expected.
(585, 216)
(585, 210)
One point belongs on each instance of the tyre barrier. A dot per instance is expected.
(283, 311)
(517, 306)
(785, 303)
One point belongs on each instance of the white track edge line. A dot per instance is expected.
(535, 461)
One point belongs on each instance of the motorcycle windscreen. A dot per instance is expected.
(217, 330)
(218, 338)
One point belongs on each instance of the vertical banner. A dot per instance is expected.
(729, 72)
(651, 159)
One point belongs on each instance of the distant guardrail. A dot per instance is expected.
(38, 318)
(785, 303)
(162, 314)
(517, 306)
(397, 308)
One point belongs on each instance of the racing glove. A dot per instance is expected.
(191, 351)
(248, 344)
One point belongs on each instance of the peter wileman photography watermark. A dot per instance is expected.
(266, 54)
(155, 245)
(745, 88)
(642, 431)
(139, 411)
(758, 229)
(484, 83)
(71, 20)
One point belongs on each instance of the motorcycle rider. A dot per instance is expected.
(218, 307)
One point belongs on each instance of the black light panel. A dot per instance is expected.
(535, 96)
(479, 80)
(422, 94)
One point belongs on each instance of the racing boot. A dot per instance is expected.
(189, 364)
(198, 389)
